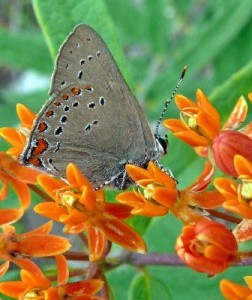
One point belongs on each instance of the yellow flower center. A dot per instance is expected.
(192, 122)
(246, 190)
(148, 191)
(200, 246)
(34, 295)
(68, 199)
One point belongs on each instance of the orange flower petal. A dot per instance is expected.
(121, 233)
(232, 290)
(4, 268)
(62, 268)
(175, 125)
(74, 218)
(17, 171)
(192, 138)
(239, 208)
(75, 229)
(165, 196)
(22, 192)
(15, 138)
(208, 199)
(76, 178)
(227, 187)
(34, 280)
(13, 288)
(43, 229)
(8, 216)
(30, 266)
(88, 287)
(119, 211)
(201, 151)
(96, 243)
(136, 173)
(26, 174)
(40, 245)
(160, 176)
(204, 179)
(243, 167)
(238, 114)
(248, 280)
(183, 102)
(50, 210)
(150, 210)
(130, 198)
(4, 190)
(208, 125)
(25, 115)
(88, 198)
(247, 130)
(206, 106)
(51, 185)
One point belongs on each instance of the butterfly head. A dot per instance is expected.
(162, 144)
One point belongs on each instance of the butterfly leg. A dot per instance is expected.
(166, 170)
(110, 181)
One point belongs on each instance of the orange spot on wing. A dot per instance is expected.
(65, 97)
(57, 103)
(75, 91)
(35, 161)
(40, 147)
(49, 113)
(42, 127)
(88, 87)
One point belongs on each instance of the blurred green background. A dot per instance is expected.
(151, 42)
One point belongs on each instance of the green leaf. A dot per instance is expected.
(204, 45)
(156, 25)
(226, 95)
(145, 287)
(58, 18)
(139, 288)
(24, 51)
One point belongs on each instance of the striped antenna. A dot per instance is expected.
(168, 101)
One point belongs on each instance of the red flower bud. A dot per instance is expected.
(207, 247)
(226, 145)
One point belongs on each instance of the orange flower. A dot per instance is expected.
(200, 127)
(36, 243)
(18, 176)
(34, 285)
(80, 208)
(228, 144)
(17, 137)
(207, 247)
(160, 194)
(199, 123)
(195, 198)
(238, 196)
(159, 191)
(234, 291)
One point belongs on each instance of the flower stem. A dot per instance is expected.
(39, 192)
(223, 216)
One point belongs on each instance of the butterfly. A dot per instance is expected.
(92, 118)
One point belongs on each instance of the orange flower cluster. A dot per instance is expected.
(81, 208)
(204, 245)
(34, 285)
(200, 127)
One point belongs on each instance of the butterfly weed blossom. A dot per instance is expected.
(205, 245)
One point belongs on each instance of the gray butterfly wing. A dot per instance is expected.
(93, 119)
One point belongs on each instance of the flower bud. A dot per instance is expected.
(207, 247)
(226, 145)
